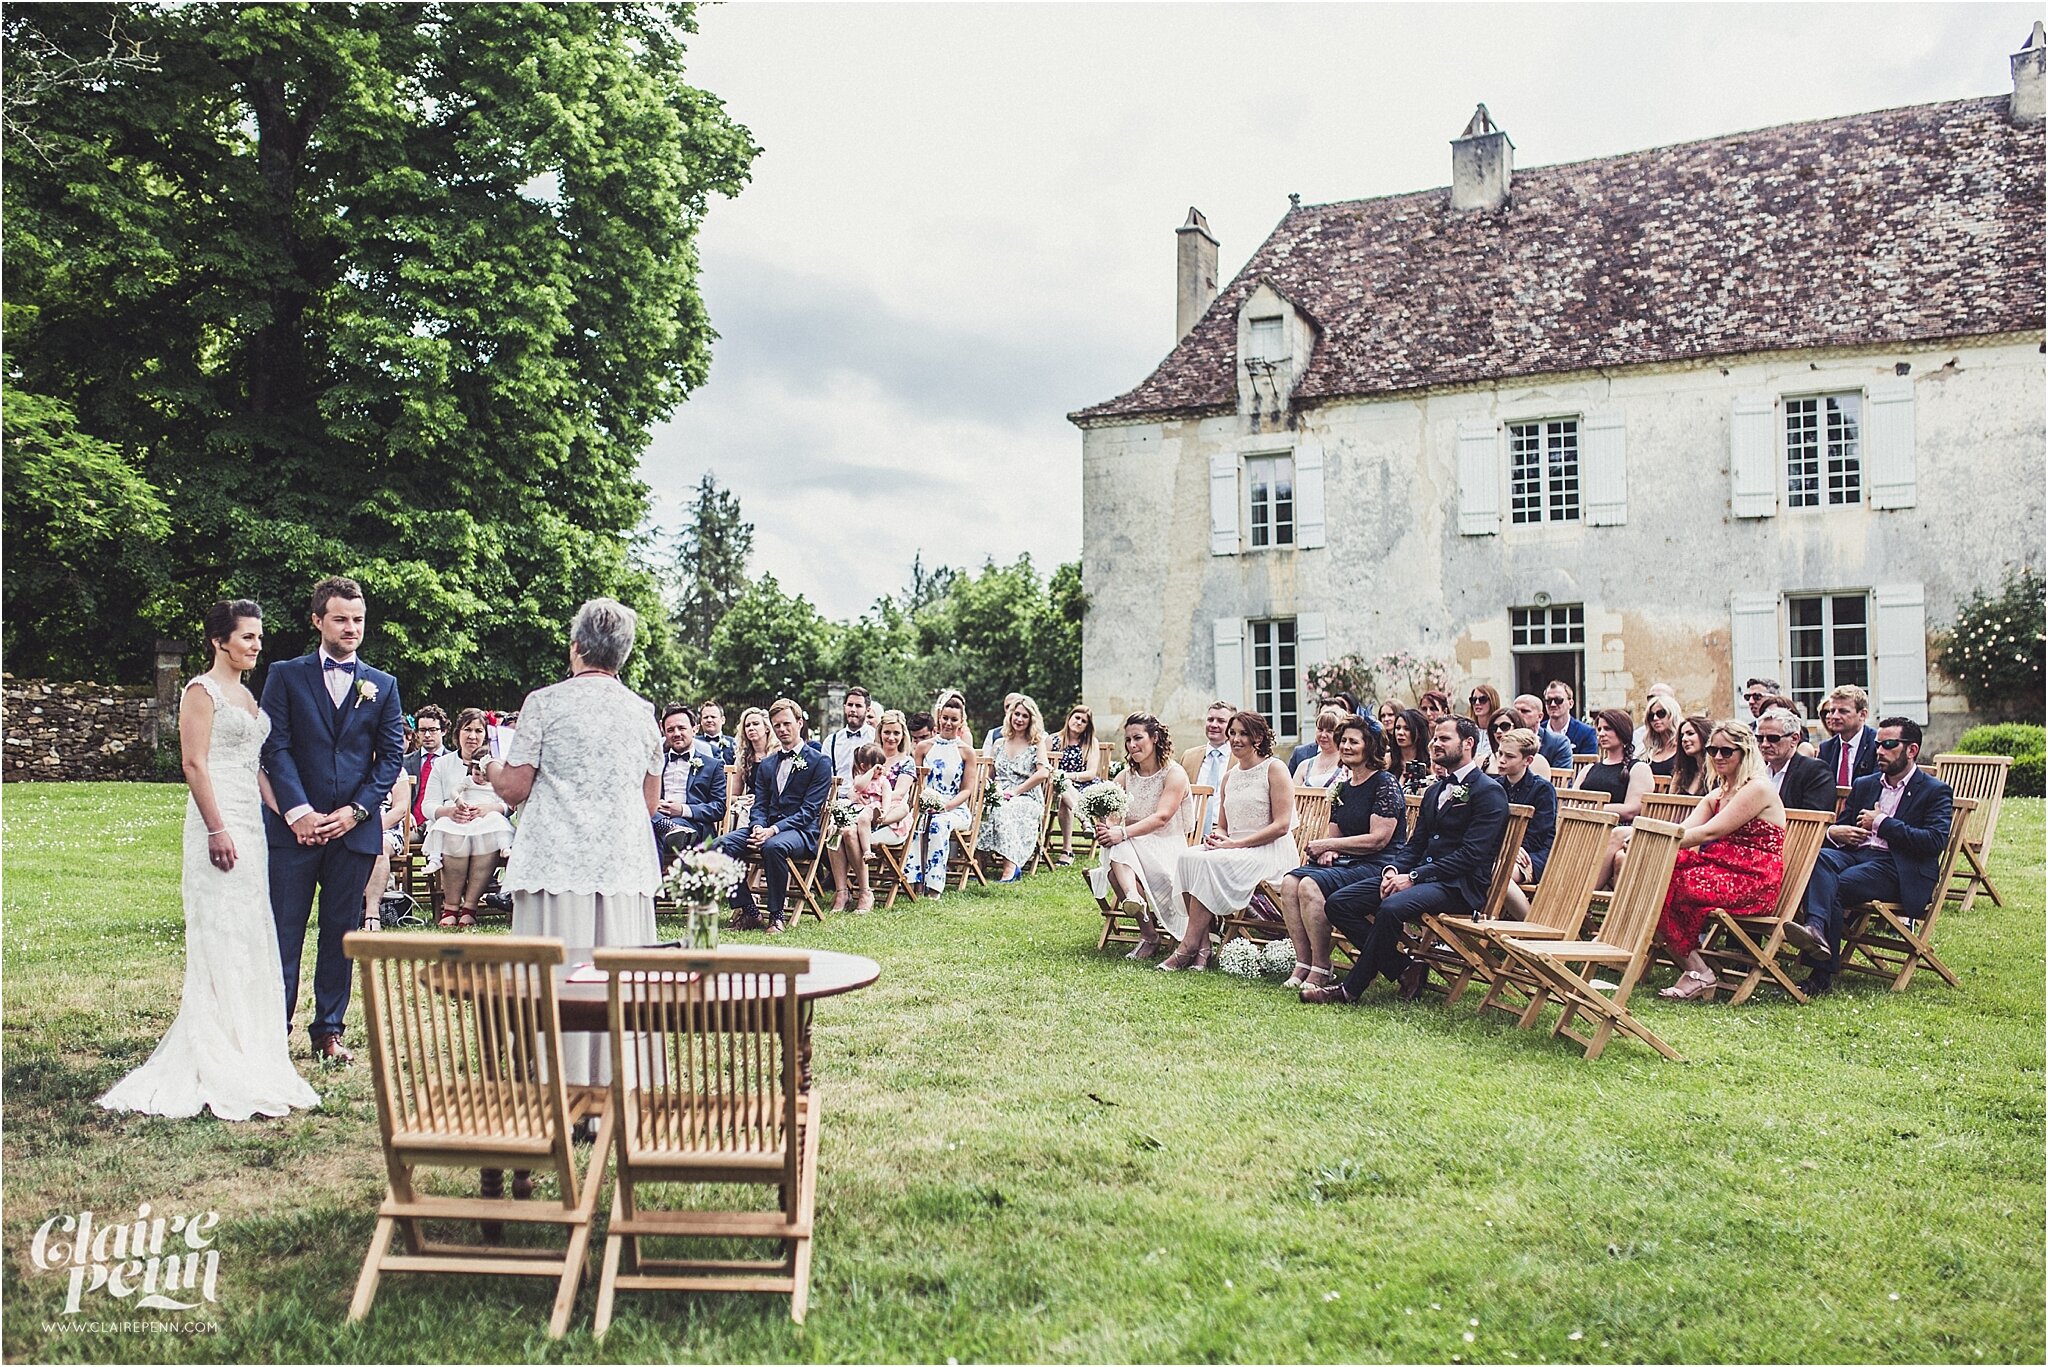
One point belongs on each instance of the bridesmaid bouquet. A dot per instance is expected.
(931, 803)
(840, 817)
(703, 877)
(991, 796)
(1103, 802)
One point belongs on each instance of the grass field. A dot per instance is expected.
(1032, 1151)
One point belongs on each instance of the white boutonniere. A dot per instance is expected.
(696, 763)
(366, 691)
(1459, 793)
(799, 764)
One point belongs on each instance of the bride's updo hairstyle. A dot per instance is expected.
(222, 618)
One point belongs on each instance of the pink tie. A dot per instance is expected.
(1842, 771)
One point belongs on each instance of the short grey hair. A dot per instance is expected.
(1785, 718)
(602, 630)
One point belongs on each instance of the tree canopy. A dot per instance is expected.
(396, 291)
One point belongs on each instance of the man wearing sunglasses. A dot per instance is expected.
(1802, 781)
(1896, 825)
(1557, 749)
(1558, 719)
(1758, 692)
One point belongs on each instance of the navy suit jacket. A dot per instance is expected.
(1866, 755)
(1917, 834)
(1458, 844)
(704, 795)
(800, 806)
(1581, 734)
(1540, 796)
(329, 756)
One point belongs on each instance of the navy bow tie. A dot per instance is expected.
(327, 664)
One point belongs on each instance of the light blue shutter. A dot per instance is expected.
(1899, 629)
(1888, 461)
(1603, 469)
(1478, 478)
(1223, 503)
(1753, 457)
(1752, 641)
(1308, 495)
(1230, 660)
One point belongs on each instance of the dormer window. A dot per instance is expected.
(1268, 340)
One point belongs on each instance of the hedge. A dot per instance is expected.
(2027, 744)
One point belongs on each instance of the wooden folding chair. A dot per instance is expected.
(1201, 793)
(1584, 798)
(962, 859)
(1423, 944)
(1311, 822)
(708, 1088)
(1624, 946)
(1580, 764)
(1661, 783)
(1743, 950)
(1555, 911)
(1981, 779)
(731, 821)
(1895, 941)
(1672, 807)
(887, 863)
(466, 1060)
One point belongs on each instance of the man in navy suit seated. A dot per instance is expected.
(692, 785)
(1889, 849)
(1446, 867)
(1850, 751)
(791, 788)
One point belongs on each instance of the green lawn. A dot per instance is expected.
(1035, 1152)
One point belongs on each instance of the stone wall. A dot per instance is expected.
(77, 731)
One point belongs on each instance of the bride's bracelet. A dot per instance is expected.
(222, 831)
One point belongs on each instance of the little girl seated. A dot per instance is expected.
(871, 790)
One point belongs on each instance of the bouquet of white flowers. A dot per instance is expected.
(931, 802)
(1242, 959)
(991, 795)
(1062, 783)
(1102, 802)
(1117, 767)
(703, 877)
(1280, 958)
(840, 817)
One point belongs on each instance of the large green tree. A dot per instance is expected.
(711, 563)
(390, 290)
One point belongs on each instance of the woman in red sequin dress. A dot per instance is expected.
(1731, 855)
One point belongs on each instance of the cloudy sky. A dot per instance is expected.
(961, 228)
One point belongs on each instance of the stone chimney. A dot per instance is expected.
(2027, 100)
(1482, 164)
(1194, 273)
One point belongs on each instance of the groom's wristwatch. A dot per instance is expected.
(359, 811)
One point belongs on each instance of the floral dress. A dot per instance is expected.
(948, 768)
(1011, 830)
(1073, 761)
(1740, 873)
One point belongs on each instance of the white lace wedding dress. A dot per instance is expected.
(226, 1052)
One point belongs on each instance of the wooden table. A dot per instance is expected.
(584, 1008)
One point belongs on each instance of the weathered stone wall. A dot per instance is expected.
(76, 731)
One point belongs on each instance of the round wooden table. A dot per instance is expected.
(584, 1008)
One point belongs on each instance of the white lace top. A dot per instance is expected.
(584, 829)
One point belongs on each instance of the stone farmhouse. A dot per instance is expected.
(1767, 404)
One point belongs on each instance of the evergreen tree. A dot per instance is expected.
(711, 563)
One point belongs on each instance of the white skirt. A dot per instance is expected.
(1224, 880)
(582, 921)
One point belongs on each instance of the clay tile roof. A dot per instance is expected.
(1902, 225)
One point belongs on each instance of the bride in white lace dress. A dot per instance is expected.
(226, 1052)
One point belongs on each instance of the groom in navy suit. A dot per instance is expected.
(337, 741)
(791, 788)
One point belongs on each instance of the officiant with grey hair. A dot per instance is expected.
(586, 762)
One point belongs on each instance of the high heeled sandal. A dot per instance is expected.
(466, 919)
(1691, 987)
(446, 920)
(373, 923)
(1197, 962)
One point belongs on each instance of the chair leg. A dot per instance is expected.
(366, 1284)
(607, 1282)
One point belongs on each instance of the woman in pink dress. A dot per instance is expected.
(1731, 855)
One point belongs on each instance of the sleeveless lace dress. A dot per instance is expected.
(226, 1052)
(1224, 880)
(1153, 857)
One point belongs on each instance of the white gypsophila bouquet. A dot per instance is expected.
(703, 877)
(1103, 802)
(931, 802)
(1061, 782)
(840, 817)
(991, 795)
(1242, 959)
(1117, 767)
(1279, 957)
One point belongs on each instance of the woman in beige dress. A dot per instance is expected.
(1144, 846)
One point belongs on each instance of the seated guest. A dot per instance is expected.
(1144, 848)
(755, 743)
(1076, 755)
(891, 824)
(430, 730)
(1345, 707)
(1445, 867)
(468, 832)
(1690, 773)
(1555, 747)
(1251, 842)
(1558, 701)
(1504, 721)
(1758, 693)
(870, 788)
(1800, 781)
(1889, 850)
(1783, 703)
(1435, 705)
(950, 759)
(692, 803)
(1656, 691)
(1850, 751)
(995, 733)
(1731, 855)
(1484, 702)
(1204, 764)
(1321, 767)
(921, 731)
(1367, 816)
(1010, 828)
(1385, 714)
(711, 730)
(1618, 776)
(1516, 754)
(791, 787)
(1408, 750)
(1657, 739)
(853, 733)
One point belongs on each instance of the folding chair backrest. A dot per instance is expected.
(1639, 891)
(1958, 833)
(705, 1065)
(1661, 783)
(465, 1043)
(1584, 798)
(1311, 816)
(1504, 859)
(1675, 807)
(1201, 794)
(1414, 809)
(1580, 764)
(1576, 855)
(1805, 833)
(1981, 779)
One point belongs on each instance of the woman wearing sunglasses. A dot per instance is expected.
(1731, 855)
(1659, 743)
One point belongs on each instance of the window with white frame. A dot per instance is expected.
(1276, 686)
(1543, 471)
(1824, 450)
(1267, 341)
(1560, 626)
(1269, 494)
(1829, 645)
